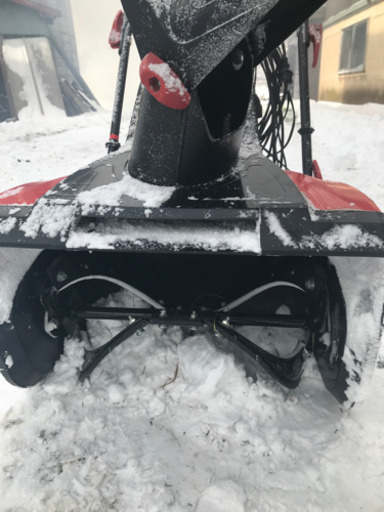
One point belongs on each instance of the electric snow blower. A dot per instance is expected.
(196, 216)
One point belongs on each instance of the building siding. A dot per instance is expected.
(17, 21)
(360, 87)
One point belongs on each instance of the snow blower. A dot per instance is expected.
(196, 216)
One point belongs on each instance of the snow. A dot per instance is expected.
(151, 195)
(171, 81)
(9, 361)
(213, 239)
(347, 236)
(169, 421)
(52, 221)
(277, 229)
(7, 225)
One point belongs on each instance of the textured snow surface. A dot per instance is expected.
(214, 239)
(364, 299)
(109, 195)
(52, 222)
(344, 237)
(169, 422)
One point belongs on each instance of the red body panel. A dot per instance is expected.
(331, 195)
(27, 194)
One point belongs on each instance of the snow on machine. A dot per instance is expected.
(196, 217)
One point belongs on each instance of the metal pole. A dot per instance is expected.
(306, 130)
(113, 144)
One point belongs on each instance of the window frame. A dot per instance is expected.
(352, 30)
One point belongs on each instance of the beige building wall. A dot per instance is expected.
(359, 87)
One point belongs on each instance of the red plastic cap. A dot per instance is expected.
(115, 35)
(315, 37)
(163, 83)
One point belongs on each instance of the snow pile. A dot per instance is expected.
(169, 422)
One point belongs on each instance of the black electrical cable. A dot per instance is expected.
(271, 127)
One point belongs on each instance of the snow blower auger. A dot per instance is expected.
(192, 221)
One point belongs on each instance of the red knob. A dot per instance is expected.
(163, 83)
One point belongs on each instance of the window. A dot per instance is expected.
(353, 43)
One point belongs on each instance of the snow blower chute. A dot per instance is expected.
(196, 217)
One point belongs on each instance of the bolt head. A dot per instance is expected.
(310, 284)
(61, 276)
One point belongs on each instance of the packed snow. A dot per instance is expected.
(151, 195)
(169, 421)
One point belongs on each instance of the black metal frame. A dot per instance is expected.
(113, 143)
(286, 370)
(71, 312)
(305, 113)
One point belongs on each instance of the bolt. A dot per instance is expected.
(310, 284)
(226, 321)
(193, 315)
(163, 313)
(139, 332)
(61, 276)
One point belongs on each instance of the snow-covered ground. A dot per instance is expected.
(170, 423)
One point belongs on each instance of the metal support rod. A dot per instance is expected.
(306, 130)
(94, 357)
(113, 144)
(286, 370)
(177, 317)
